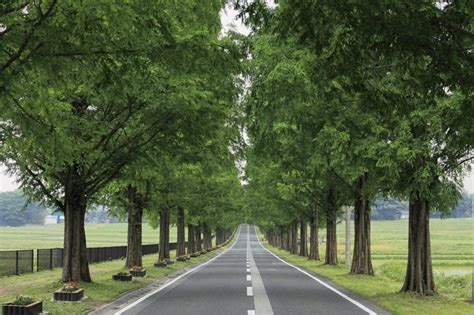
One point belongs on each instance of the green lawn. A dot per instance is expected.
(40, 285)
(47, 236)
(452, 242)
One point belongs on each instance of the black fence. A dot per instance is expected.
(150, 249)
(16, 262)
(49, 258)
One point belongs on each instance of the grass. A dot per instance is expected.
(50, 236)
(452, 243)
(41, 285)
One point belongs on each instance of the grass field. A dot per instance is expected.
(452, 242)
(48, 236)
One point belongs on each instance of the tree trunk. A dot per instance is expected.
(361, 261)
(314, 238)
(290, 237)
(134, 237)
(207, 236)
(164, 235)
(167, 235)
(283, 238)
(294, 238)
(219, 240)
(303, 238)
(191, 237)
(181, 248)
(76, 265)
(419, 273)
(331, 222)
(198, 241)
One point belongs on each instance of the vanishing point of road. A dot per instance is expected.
(247, 279)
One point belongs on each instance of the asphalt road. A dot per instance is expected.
(248, 279)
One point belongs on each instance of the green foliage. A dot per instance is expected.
(23, 300)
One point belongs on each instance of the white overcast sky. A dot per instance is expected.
(229, 21)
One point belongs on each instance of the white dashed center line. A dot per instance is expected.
(249, 291)
(260, 298)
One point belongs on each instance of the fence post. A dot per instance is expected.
(37, 261)
(16, 264)
(50, 259)
(32, 260)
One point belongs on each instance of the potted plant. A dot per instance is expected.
(182, 258)
(196, 254)
(23, 305)
(69, 292)
(122, 276)
(169, 261)
(203, 252)
(138, 271)
(161, 264)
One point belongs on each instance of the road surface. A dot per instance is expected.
(247, 279)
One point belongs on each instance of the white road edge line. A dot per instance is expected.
(249, 291)
(120, 312)
(249, 278)
(248, 270)
(368, 310)
(250, 312)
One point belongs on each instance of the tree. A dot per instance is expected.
(109, 107)
(418, 90)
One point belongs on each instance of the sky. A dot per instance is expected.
(229, 21)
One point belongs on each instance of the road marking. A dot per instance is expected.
(249, 291)
(248, 269)
(260, 297)
(120, 312)
(368, 310)
(249, 278)
(250, 312)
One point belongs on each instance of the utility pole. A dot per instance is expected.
(348, 236)
(472, 287)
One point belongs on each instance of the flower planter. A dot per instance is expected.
(138, 273)
(195, 255)
(73, 296)
(203, 252)
(30, 309)
(122, 277)
(160, 264)
(182, 258)
(169, 262)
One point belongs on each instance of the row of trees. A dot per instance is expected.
(127, 104)
(350, 101)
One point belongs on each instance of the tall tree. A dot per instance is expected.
(94, 117)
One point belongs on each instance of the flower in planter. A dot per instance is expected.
(22, 305)
(122, 273)
(23, 300)
(70, 286)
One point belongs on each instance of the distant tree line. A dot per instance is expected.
(16, 211)
(393, 209)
